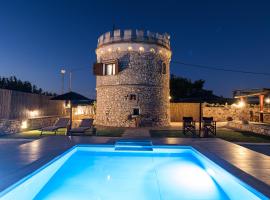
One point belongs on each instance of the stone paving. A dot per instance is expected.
(136, 133)
(19, 160)
(5, 143)
(261, 148)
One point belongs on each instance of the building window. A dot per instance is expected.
(104, 68)
(109, 69)
(164, 68)
(132, 97)
(136, 111)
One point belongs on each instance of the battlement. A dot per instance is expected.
(118, 36)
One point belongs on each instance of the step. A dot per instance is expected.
(133, 145)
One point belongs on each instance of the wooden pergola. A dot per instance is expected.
(261, 93)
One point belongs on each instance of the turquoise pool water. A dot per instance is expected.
(108, 173)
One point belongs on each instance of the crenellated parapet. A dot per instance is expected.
(140, 36)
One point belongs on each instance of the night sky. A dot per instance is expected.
(38, 37)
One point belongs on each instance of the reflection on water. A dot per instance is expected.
(86, 176)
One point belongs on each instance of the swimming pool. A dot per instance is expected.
(127, 172)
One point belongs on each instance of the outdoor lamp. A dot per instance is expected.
(241, 104)
(24, 124)
(63, 71)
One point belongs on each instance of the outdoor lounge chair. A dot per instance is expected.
(85, 125)
(209, 126)
(60, 123)
(189, 126)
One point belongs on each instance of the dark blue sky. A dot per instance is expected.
(38, 37)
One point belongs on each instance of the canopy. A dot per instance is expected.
(251, 92)
(71, 97)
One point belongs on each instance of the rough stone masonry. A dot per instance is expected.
(132, 79)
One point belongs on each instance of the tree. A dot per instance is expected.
(12, 83)
(182, 88)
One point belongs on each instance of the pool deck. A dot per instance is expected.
(19, 160)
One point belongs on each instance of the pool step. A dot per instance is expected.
(133, 145)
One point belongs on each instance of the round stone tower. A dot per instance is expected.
(133, 73)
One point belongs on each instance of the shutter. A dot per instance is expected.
(116, 67)
(98, 69)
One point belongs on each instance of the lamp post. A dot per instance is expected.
(63, 71)
(70, 76)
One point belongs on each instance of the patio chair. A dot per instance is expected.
(189, 126)
(60, 123)
(85, 125)
(209, 126)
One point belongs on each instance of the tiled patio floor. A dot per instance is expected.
(261, 148)
(252, 167)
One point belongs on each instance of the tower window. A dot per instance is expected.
(136, 111)
(132, 97)
(164, 68)
(109, 69)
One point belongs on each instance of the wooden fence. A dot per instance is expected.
(21, 105)
(180, 110)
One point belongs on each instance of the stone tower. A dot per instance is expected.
(132, 79)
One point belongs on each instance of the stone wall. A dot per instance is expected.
(10, 126)
(223, 112)
(114, 109)
(251, 127)
(220, 113)
(140, 75)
